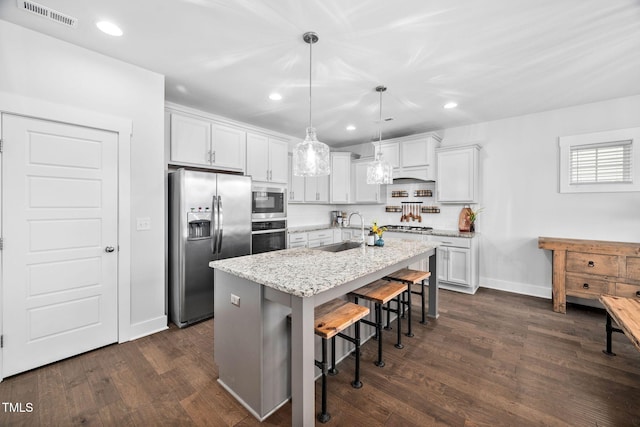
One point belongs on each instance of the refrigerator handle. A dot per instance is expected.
(220, 225)
(214, 237)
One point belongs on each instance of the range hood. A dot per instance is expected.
(410, 180)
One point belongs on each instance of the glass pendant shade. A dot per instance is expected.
(379, 171)
(311, 157)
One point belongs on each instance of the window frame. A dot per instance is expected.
(566, 143)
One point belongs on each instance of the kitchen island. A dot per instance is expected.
(255, 294)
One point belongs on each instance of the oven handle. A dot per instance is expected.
(279, 230)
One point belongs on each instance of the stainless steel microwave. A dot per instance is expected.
(268, 202)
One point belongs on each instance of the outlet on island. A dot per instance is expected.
(235, 300)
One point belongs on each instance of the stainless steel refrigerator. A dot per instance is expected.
(209, 219)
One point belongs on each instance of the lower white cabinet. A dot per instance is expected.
(315, 238)
(457, 263)
(320, 238)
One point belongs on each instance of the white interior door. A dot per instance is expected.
(59, 225)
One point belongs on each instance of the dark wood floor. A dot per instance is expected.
(493, 359)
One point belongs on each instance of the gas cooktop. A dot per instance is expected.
(407, 228)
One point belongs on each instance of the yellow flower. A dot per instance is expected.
(377, 230)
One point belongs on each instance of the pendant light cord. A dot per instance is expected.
(310, 55)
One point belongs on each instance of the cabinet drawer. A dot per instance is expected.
(297, 238)
(297, 244)
(320, 234)
(633, 268)
(602, 265)
(629, 291)
(458, 242)
(586, 286)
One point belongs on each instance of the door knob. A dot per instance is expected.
(109, 249)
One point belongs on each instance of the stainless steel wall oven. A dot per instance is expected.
(270, 235)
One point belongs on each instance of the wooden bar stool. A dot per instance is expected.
(381, 292)
(331, 319)
(410, 278)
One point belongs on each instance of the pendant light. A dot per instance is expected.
(311, 157)
(379, 171)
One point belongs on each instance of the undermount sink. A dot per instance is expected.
(339, 247)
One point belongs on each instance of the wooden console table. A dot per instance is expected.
(591, 268)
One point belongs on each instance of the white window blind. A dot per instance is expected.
(601, 163)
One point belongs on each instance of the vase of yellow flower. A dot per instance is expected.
(378, 231)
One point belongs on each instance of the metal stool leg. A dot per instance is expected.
(379, 362)
(424, 320)
(409, 309)
(388, 327)
(333, 371)
(399, 326)
(324, 416)
(610, 329)
(356, 382)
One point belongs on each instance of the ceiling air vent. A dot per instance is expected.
(47, 12)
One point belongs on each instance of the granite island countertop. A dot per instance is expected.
(305, 272)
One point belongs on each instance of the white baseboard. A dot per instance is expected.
(516, 288)
(148, 327)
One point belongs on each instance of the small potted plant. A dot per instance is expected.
(378, 231)
(473, 215)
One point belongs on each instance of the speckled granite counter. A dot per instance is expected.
(305, 272)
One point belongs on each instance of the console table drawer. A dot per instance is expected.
(633, 268)
(629, 291)
(602, 265)
(586, 286)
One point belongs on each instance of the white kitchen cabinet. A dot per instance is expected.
(267, 159)
(190, 140)
(458, 174)
(195, 141)
(297, 240)
(228, 146)
(340, 177)
(316, 189)
(361, 191)
(412, 156)
(457, 263)
(320, 238)
(296, 184)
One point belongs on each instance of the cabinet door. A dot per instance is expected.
(190, 140)
(459, 266)
(258, 157)
(228, 147)
(442, 265)
(414, 153)
(340, 177)
(457, 175)
(311, 189)
(278, 155)
(391, 153)
(323, 188)
(296, 184)
(363, 192)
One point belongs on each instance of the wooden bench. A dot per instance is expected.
(626, 312)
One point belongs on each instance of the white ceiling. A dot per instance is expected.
(495, 58)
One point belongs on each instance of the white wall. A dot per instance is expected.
(519, 187)
(44, 68)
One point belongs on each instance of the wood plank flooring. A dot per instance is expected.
(492, 359)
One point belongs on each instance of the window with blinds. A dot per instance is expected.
(601, 163)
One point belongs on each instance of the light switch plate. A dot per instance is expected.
(235, 300)
(143, 224)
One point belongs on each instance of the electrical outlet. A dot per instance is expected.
(143, 224)
(235, 300)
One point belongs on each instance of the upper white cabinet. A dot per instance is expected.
(340, 177)
(296, 184)
(200, 142)
(412, 156)
(316, 189)
(361, 191)
(458, 174)
(267, 159)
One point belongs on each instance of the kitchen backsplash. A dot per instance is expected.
(311, 214)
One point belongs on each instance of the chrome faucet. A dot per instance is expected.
(361, 223)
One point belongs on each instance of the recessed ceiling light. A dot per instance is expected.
(449, 105)
(351, 127)
(275, 97)
(109, 28)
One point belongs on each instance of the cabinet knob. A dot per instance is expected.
(585, 286)
(591, 264)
